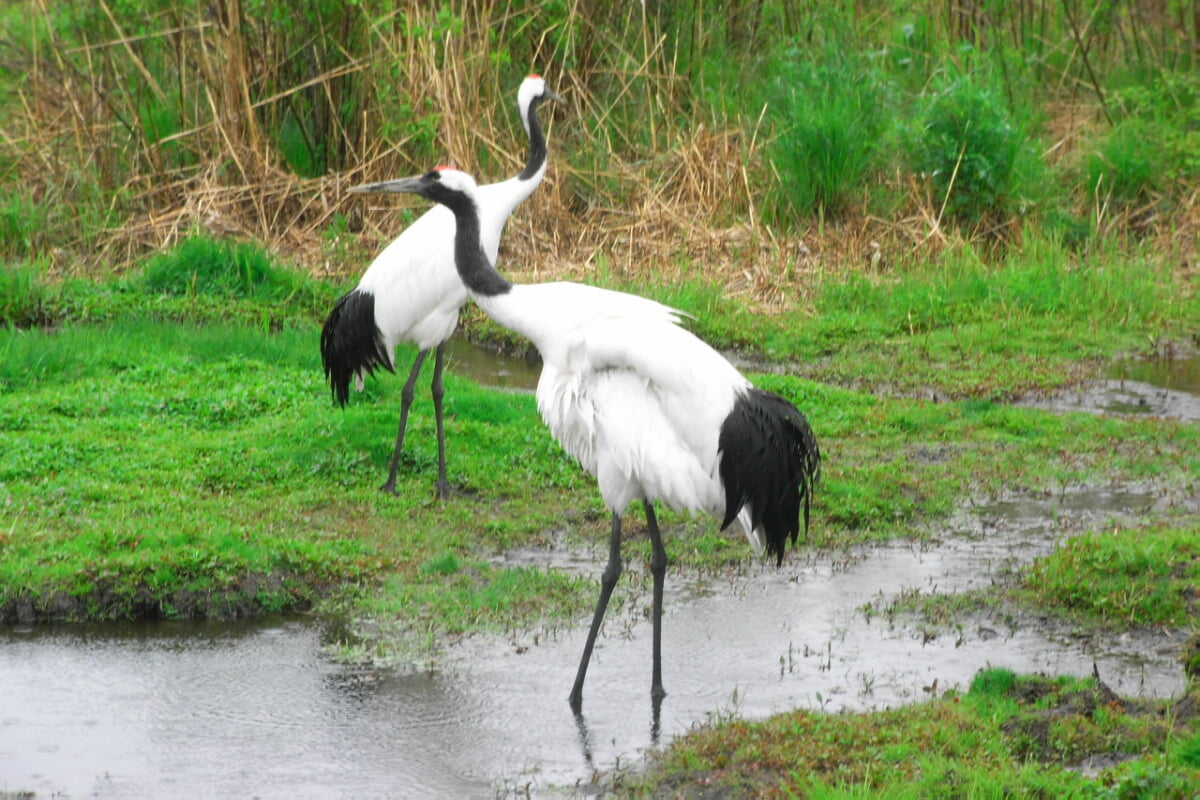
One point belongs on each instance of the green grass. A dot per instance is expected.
(201, 280)
(956, 327)
(223, 434)
(122, 471)
(157, 469)
(964, 328)
(1008, 736)
(1141, 576)
(22, 294)
(225, 269)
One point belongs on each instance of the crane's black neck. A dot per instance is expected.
(476, 272)
(537, 143)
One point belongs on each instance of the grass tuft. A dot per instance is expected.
(1139, 576)
(828, 112)
(200, 265)
(23, 296)
(993, 683)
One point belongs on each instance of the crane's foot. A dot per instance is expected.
(576, 701)
(443, 489)
(389, 488)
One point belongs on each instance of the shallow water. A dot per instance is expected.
(1168, 388)
(492, 369)
(216, 710)
(1180, 374)
(234, 710)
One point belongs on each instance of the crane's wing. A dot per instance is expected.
(635, 397)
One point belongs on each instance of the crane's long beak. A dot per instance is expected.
(395, 186)
(550, 94)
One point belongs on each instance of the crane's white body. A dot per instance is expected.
(635, 398)
(412, 292)
(418, 294)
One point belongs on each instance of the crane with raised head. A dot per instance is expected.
(412, 293)
(645, 406)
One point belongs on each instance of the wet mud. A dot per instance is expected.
(1114, 396)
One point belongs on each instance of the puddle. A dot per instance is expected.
(217, 710)
(1167, 388)
(492, 369)
(183, 709)
(1176, 374)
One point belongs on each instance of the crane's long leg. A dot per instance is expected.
(607, 581)
(406, 398)
(658, 569)
(438, 391)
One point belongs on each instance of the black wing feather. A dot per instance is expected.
(351, 343)
(770, 461)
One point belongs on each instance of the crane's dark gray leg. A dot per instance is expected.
(438, 391)
(658, 569)
(406, 399)
(607, 581)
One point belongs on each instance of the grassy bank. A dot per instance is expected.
(1005, 736)
(166, 469)
(192, 402)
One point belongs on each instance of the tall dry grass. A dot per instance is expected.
(221, 172)
(141, 131)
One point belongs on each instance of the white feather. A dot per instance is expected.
(637, 399)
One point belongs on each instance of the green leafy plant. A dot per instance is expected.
(966, 143)
(829, 113)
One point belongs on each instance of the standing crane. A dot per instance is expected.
(646, 407)
(412, 293)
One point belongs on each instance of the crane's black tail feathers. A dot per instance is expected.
(351, 343)
(770, 461)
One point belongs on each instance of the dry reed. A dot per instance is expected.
(671, 194)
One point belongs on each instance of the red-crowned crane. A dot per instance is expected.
(412, 292)
(650, 410)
